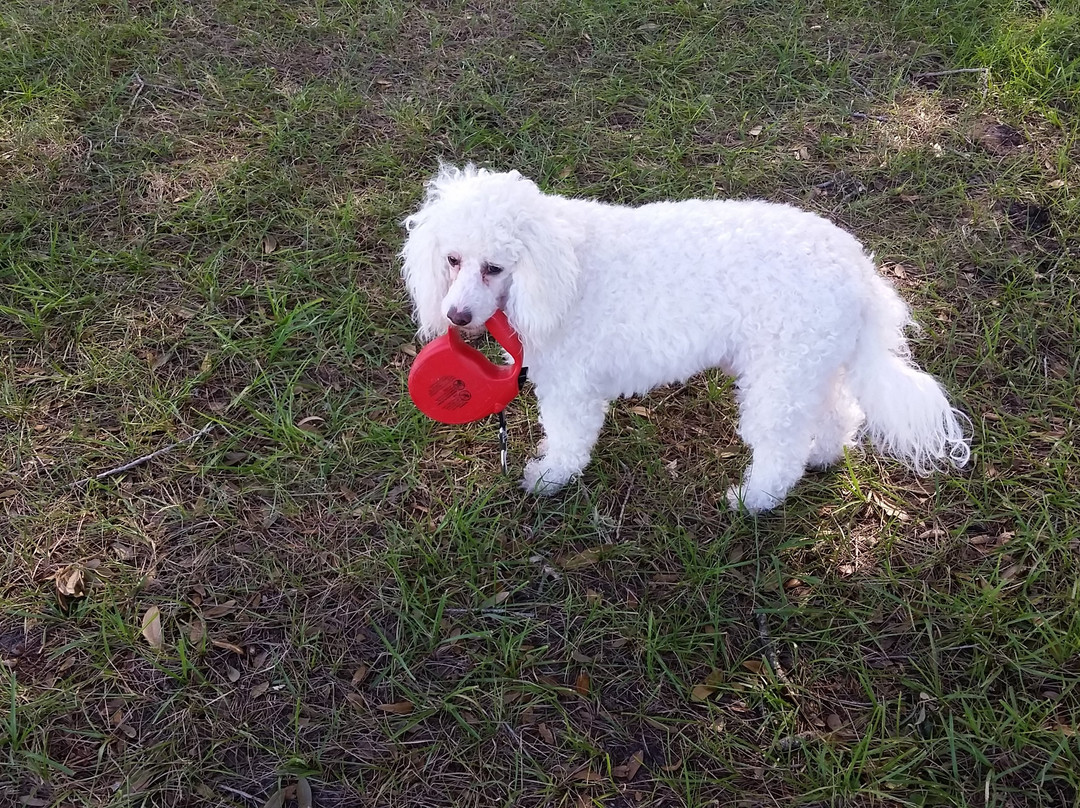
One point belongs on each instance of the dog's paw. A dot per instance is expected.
(542, 478)
(753, 501)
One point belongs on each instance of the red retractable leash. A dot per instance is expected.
(454, 383)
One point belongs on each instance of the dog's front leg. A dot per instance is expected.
(571, 426)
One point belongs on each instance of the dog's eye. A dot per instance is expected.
(491, 269)
(453, 260)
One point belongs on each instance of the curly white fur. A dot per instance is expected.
(612, 301)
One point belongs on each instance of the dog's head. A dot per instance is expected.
(483, 241)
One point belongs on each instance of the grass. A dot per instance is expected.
(199, 218)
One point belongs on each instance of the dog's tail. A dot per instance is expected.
(908, 414)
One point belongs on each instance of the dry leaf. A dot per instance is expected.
(585, 774)
(592, 596)
(644, 412)
(583, 683)
(1056, 183)
(71, 582)
(833, 722)
(495, 600)
(755, 131)
(277, 799)
(123, 551)
(1011, 572)
(634, 764)
(754, 665)
(151, 627)
(303, 793)
(397, 708)
(269, 244)
(356, 700)
(577, 656)
(546, 733)
(260, 660)
(632, 599)
(702, 692)
(232, 673)
(259, 689)
(360, 674)
(673, 767)
(8, 493)
(221, 609)
(586, 558)
(196, 631)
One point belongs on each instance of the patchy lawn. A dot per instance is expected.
(199, 208)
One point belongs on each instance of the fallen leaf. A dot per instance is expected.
(585, 774)
(360, 674)
(260, 660)
(672, 767)
(232, 673)
(644, 412)
(277, 799)
(754, 665)
(586, 558)
(151, 627)
(702, 692)
(495, 600)
(634, 765)
(583, 683)
(123, 551)
(259, 689)
(1011, 572)
(303, 793)
(755, 131)
(592, 596)
(71, 582)
(221, 609)
(833, 722)
(577, 656)
(356, 700)
(1056, 183)
(667, 578)
(546, 733)
(397, 708)
(8, 493)
(269, 244)
(196, 631)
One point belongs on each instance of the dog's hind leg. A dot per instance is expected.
(571, 427)
(777, 415)
(837, 425)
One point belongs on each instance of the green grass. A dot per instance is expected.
(199, 217)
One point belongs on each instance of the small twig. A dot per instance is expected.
(145, 458)
(770, 651)
(984, 70)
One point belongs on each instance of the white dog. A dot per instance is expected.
(613, 301)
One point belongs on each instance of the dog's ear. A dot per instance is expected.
(424, 267)
(545, 283)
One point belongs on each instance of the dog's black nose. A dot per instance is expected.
(458, 316)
